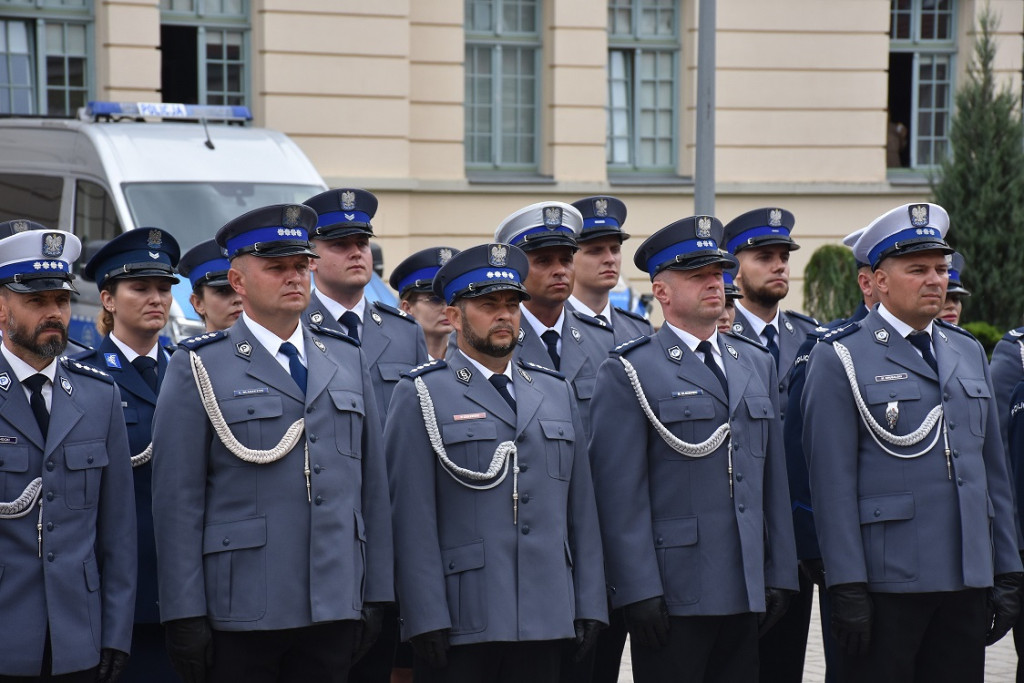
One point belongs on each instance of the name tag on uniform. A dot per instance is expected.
(891, 378)
(251, 392)
(692, 392)
(8, 440)
(469, 416)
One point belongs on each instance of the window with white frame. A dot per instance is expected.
(643, 67)
(922, 48)
(44, 56)
(204, 51)
(503, 49)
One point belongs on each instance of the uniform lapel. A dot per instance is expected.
(789, 343)
(14, 407)
(262, 365)
(124, 373)
(320, 368)
(480, 391)
(737, 373)
(64, 410)
(528, 399)
(374, 338)
(572, 355)
(897, 349)
(742, 326)
(946, 355)
(690, 368)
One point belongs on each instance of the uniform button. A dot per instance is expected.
(316, 469)
(451, 565)
(764, 410)
(49, 466)
(49, 557)
(952, 425)
(686, 412)
(878, 513)
(526, 497)
(782, 387)
(312, 438)
(739, 476)
(611, 589)
(959, 481)
(309, 409)
(742, 507)
(251, 410)
(945, 397)
(353, 404)
(659, 541)
(49, 526)
(49, 495)
(892, 394)
(526, 529)
(90, 459)
(469, 432)
(561, 431)
(226, 541)
(523, 468)
(956, 453)
(522, 438)
(319, 500)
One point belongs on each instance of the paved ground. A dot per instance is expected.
(1000, 662)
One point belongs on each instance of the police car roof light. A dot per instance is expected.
(96, 110)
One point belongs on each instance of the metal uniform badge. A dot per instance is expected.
(775, 218)
(576, 334)
(942, 335)
(464, 375)
(155, 239)
(737, 327)
(788, 325)
(376, 317)
(525, 375)
(919, 215)
(5, 381)
(53, 244)
(291, 216)
(892, 414)
(319, 344)
(600, 208)
(19, 226)
(882, 336)
(552, 217)
(498, 256)
(348, 200)
(316, 317)
(732, 351)
(704, 227)
(112, 360)
(66, 385)
(244, 348)
(444, 255)
(521, 336)
(675, 353)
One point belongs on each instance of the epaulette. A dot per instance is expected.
(806, 318)
(527, 365)
(84, 369)
(627, 346)
(72, 340)
(631, 314)
(328, 332)
(590, 320)
(840, 332)
(1014, 335)
(955, 328)
(424, 368)
(170, 348)
(752, 342)
(193, 343)
(397, 312)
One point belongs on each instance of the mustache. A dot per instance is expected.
(51, 325)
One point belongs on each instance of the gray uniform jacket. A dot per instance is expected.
(793, 330)
(585, 345)
(239, 542)
(668, 523)
(1007, 368)
(463, 562)
(80, 581)
(907, 525)
(392, 343)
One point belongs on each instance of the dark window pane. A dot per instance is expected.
(76, 72)
(30, 196)
(55, 75)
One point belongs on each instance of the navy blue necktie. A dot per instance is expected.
(709, 360)
(501, 383)
(37, 402)
(601, 317)
(923, 343)
(147, 368)
(351, 322)
(773, 347)
(551, 341)
(295, 366)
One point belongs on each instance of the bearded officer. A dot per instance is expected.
(67, 523)
(271, 507)
(496, 533)
(696, 525)
(909, 481)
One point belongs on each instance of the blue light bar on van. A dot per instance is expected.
(169, 110)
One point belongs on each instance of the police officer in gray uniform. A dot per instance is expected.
(391, 340)
(270, 505)
(909, 481)
(67, 516)
(691, 478)
(496, 533)
(598, 264)
(762, 243)
(553, 335)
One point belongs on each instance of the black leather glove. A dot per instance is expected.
(851, 617)
(112, 665)
(432, 647)
(647, 622)
(371, 621)
(190, 646)
(814, 569)
(586, 637)
(1003, 605)
(776, 602)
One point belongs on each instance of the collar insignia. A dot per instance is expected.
(525, 374)
(112, 360)
(376, 317)
(316, 318)
(5, 381)
(319, 344)
(576, 334)
(521, 337)
(737, 327)
(882, 335)
(732, 351)
(941, 334)
(464, 375)
(66, 385)
(675, 353)
(789, 325)
(244, 348)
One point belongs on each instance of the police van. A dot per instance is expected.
(185, 168)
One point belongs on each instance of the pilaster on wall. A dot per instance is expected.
(128, 50)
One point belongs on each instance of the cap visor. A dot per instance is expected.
(43, 284)
(339, 230)
(769, 241)
(601, 232)
(287, 250)
(544, 241)
(497, 287)
(700, 261)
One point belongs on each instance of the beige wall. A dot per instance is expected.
(373, 92)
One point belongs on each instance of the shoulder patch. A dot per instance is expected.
(753, 342)
(627, 346)
(590, 320)
(80, 368)
(193, 343)
(1014, 335)
(328, 332)
(540, 368)
(397, 312)
(805, 318)
(631, 314)
(425, 368)
(840, 332)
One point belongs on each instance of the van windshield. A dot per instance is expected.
(193, 212)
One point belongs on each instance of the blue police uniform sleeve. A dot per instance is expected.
(1016, 450)
(1007, 370)
(584, 529)
(618, 460)
(375, 502)
(796, 464)
(116, 541)
(830, 440)
(179, 492)
(422, 593)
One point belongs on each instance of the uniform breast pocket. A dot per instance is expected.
(761, 412)
(675, 544)
(235, 562)
(13, 465)
(470, 444)
(390, 373)
(889, 535)
(464, 582)
(85, 462)
(584, 387)
(691, 418)
(131, 415)
(559, 439)
(878, 397)
(978, 400)
(348, 421)
(244, 415)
